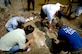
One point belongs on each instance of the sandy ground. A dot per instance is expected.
(17, 9)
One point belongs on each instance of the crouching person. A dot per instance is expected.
(14, 23)
(16, 40)
(71, 39)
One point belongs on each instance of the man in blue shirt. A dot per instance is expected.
(71, 37)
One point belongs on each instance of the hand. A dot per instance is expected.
(50, 30)
(65, 6)
(31, 40)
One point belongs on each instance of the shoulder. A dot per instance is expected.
(62, 29)
(18, 29)
(12, 20)
(19, 32)
(58, 4)
(47, 5)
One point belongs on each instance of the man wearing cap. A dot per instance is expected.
(14, 23)
(49, 10)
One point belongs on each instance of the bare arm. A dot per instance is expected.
(27, 43)
(63, 5)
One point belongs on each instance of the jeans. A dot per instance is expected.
(14, 49)
(9, 29)
(17, 49)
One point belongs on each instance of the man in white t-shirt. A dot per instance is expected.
(14, 22)
(16, 40)
(49, 10)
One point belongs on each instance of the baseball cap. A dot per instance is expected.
(60, 14)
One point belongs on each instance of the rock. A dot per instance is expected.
(39, 45)
(39, 38)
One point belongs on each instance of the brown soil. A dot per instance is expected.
(16, 9)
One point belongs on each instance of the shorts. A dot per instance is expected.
(42, 14)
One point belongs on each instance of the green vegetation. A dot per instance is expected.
(2, 10)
